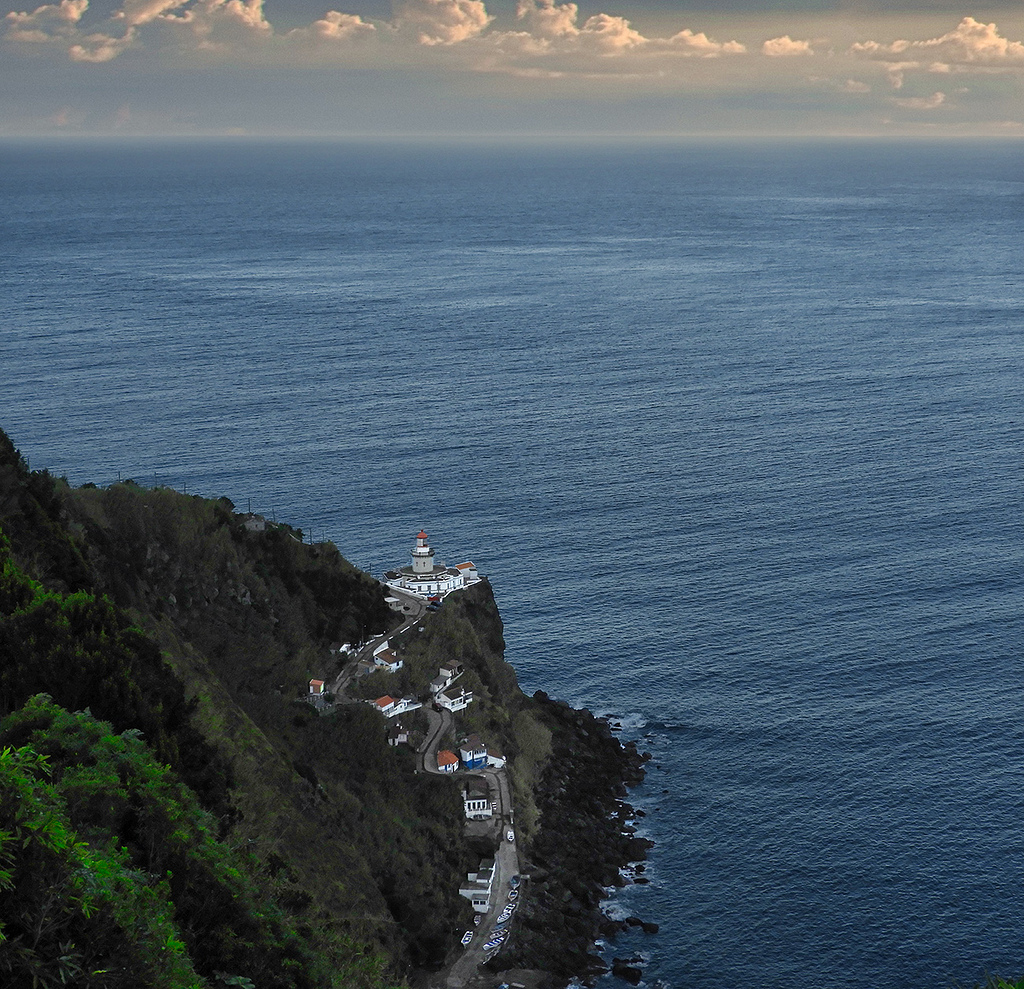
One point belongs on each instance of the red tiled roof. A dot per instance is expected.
(446, 758)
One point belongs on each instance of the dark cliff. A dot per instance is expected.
(156, 649)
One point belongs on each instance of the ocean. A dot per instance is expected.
(735, 430)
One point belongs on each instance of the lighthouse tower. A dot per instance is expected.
(422, 555)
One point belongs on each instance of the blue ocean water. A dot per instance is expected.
(735, 430)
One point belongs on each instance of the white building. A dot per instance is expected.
(445, 677)
(386, 660)
(425, 578)
(391, 707)
(478, 886)
(476, 800)
(455, 698)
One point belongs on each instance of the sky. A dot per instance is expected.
(511, 68)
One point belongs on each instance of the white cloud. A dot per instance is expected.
(342, 27)
(971, 42)
(442, 22)
(137, 12)
(547, 19)
(932, 102)
(855, 86)
(785, 46)
(895, 72)
(47, 22)
(610, 34)
(699, 43)
(100, 47)
(223, 25)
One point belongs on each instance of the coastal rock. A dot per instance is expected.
(581, 846)
(625, 969)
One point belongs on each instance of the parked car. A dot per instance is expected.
(513, 894)
(510, 835)
(514, 882)
(467, 937)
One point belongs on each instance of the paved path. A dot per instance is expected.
(418, 609)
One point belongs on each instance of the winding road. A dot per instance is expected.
(465, 969)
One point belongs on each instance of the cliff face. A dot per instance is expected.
(166, 617)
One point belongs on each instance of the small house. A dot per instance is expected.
(404, 704)
(468, 571)
(477, 888)
(447, 762)
(473, 752)
(476, 799)
(387, 661)
(445, 677)
(385, 704)
(454, 699)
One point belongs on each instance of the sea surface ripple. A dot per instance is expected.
(735, 430)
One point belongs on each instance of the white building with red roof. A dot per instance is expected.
(426, 578)
(447, 761)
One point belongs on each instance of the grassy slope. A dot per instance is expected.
(354, 846)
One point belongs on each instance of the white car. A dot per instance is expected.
(510, 835)
(467, 937)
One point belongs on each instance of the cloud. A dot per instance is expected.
(46, 23)
(970, 43)
(223, 25)
(342, 27)
(100, 47)
(136, 12)
(610, 34)
(700, 44)
(785, 46)
(547, 19)
(932, 102)
(442, 22)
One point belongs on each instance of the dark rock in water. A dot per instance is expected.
(648, 927)
(609, 928)
(622, 969)
(641, 881)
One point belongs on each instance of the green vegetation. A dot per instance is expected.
(172, 815)
(114, 875)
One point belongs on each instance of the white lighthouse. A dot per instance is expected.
(427, 579)
(422, 555)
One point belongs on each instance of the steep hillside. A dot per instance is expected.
(161, 613)
(167, 786)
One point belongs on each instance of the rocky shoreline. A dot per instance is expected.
(585, 842)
